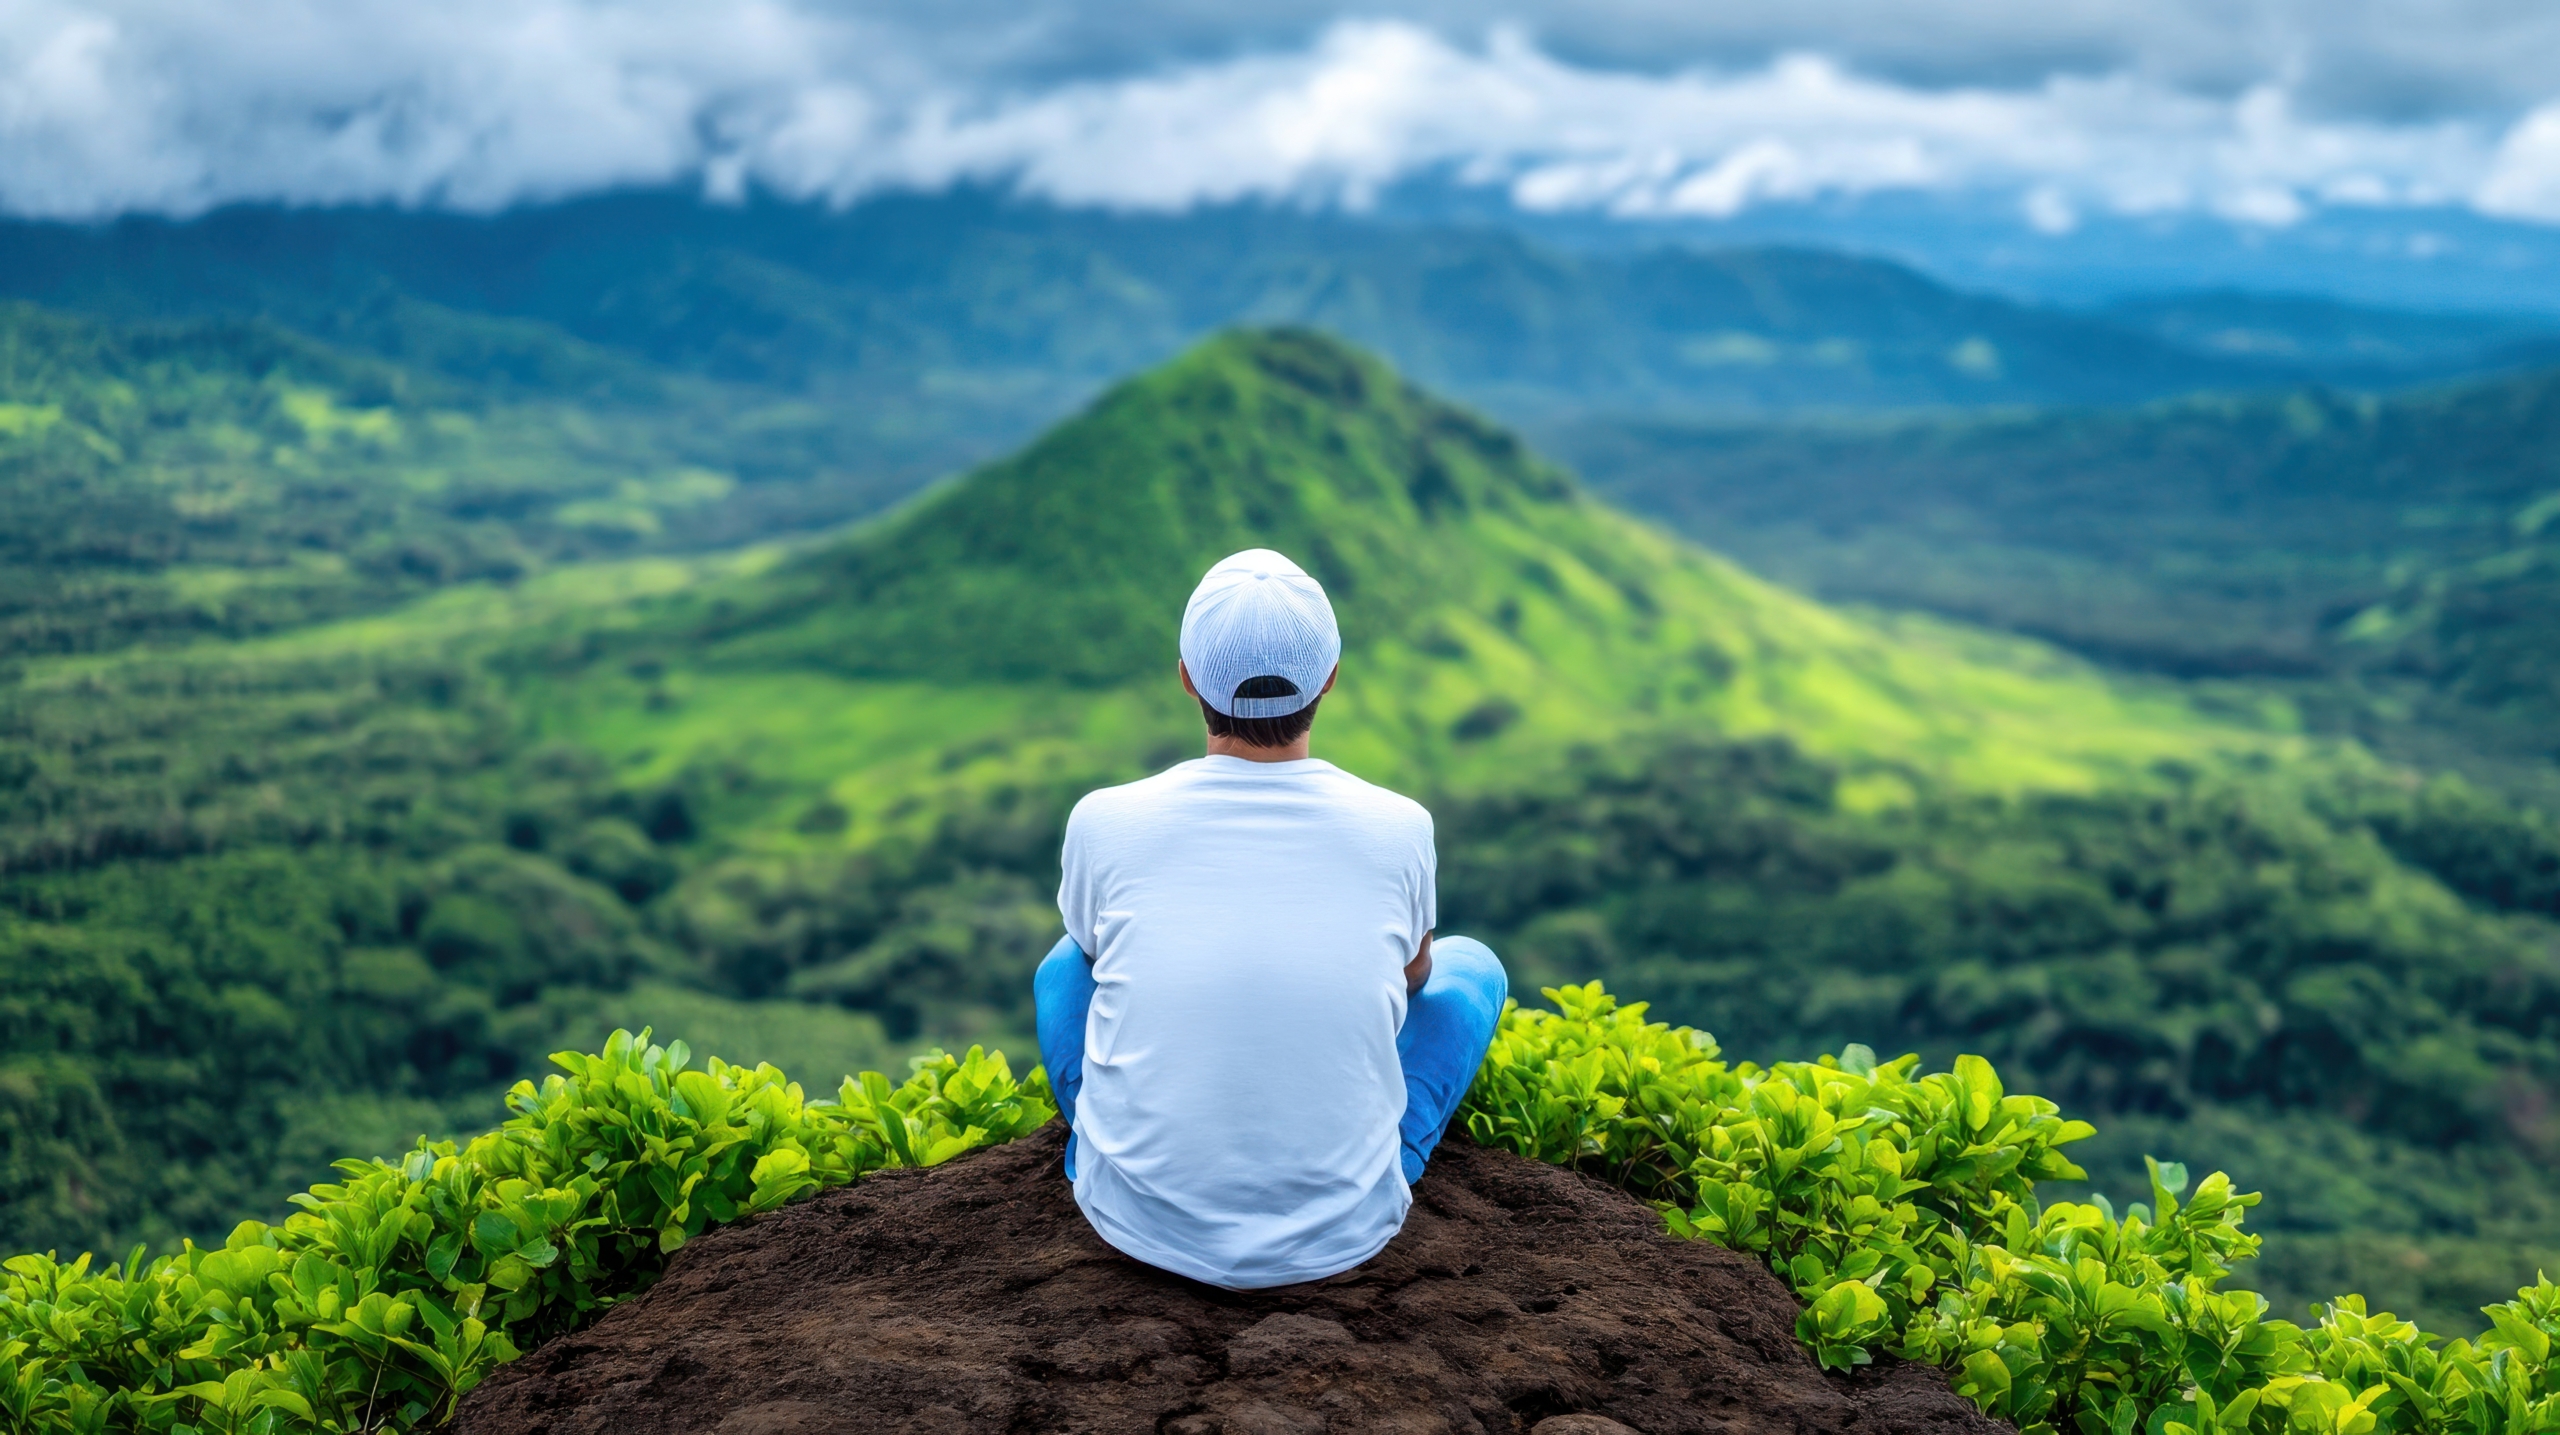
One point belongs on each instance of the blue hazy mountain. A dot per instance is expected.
(2341, 337)
(2439, 258)
(985, 317)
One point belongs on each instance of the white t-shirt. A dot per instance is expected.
(1249, 924)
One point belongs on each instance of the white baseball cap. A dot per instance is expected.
(1258, 636)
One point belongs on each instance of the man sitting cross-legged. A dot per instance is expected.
(1254, 1040)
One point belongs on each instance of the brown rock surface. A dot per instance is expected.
(973, 1298)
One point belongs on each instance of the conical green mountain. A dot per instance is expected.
(1019, 624)
(1055, 565)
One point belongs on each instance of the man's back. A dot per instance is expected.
(1249, 925)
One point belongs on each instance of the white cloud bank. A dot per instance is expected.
(477, 104)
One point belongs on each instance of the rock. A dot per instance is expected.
(1284, 1341)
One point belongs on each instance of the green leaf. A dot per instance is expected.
(2519, 1334)
(443, 1253)
(1984, 1380)
(493, 1234)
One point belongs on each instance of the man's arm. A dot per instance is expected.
(1418, 971)
(1075, 881)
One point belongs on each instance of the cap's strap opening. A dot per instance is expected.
(1267, 686)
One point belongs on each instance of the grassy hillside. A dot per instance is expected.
(2400, 541)
(219, 477)
(2475, 638)
(806, 801)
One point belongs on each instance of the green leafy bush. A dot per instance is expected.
(391, 1293)
(1901, 1209)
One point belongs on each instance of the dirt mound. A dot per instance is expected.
(973, 1297)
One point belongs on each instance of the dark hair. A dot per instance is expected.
(1261, 732)
(1265, 731)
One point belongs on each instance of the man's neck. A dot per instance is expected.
(1238, 747)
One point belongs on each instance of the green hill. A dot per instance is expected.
(1494, 614)
(805, 801)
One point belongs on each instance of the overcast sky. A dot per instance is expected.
(2261, 111)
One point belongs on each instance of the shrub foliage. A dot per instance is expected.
(1900, 1207)
(392, 1292)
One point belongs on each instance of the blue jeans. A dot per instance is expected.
(1447, 1026)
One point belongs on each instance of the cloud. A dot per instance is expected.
(2376, 58)
(173, 107)
(177, 106)
(2524, 179)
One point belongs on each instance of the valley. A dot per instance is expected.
(445, 734)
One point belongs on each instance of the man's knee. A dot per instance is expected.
(1468, 962)
(1059, 971)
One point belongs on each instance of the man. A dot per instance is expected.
(1251, 1035)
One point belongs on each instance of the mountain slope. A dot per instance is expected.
(2204, 536)
(167, 480)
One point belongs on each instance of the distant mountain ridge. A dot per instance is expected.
(971, 309)
(2343, 338)
(822, 364)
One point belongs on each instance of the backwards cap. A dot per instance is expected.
(1259, 637)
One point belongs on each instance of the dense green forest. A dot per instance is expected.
(310, 849)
